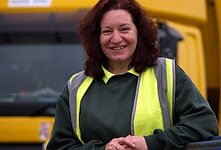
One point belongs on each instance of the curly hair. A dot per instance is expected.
(146, 51)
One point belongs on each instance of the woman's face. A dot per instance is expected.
(118, 36)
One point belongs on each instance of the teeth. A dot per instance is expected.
(118, 48)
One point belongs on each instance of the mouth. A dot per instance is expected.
(117, 48)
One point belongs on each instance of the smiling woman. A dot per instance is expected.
(118, 40)
(131, 17)
(127, 97)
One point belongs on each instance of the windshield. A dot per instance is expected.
(30, 70)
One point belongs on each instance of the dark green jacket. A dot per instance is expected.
(108, 118)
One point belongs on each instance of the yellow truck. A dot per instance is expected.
(39, 50)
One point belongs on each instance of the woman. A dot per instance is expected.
(127, 97)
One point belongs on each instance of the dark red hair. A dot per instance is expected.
(146, 51)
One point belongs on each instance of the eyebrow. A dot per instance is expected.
(124, 24)
(105, 27)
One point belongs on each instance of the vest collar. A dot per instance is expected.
(108, 74)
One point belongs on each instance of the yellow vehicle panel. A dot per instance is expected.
(190, 55)
(182, 9)
(25, 129)
(218, 18)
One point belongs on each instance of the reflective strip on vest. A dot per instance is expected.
(165, 74)
(153, 102)
(74, 105)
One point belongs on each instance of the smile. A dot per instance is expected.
(118, 48)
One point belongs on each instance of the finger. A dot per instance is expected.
(138, 141)
(127, 142)
(114, 145)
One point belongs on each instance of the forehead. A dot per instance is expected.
(116, 17)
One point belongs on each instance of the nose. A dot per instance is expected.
(116, 38)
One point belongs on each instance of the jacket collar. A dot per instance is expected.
(108, 74)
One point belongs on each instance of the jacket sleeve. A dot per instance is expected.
(193, 119)
(63, 136)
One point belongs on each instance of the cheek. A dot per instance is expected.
(104, 42)
(135, 42)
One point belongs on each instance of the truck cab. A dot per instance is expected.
(40, 50)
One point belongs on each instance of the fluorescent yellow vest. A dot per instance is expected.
(153, 102)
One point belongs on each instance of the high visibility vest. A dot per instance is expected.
(153, 102)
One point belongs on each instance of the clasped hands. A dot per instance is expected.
(127, 143)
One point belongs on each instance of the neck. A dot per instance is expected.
(118, 68)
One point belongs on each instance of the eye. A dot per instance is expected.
(106, 31)
(124, 29)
